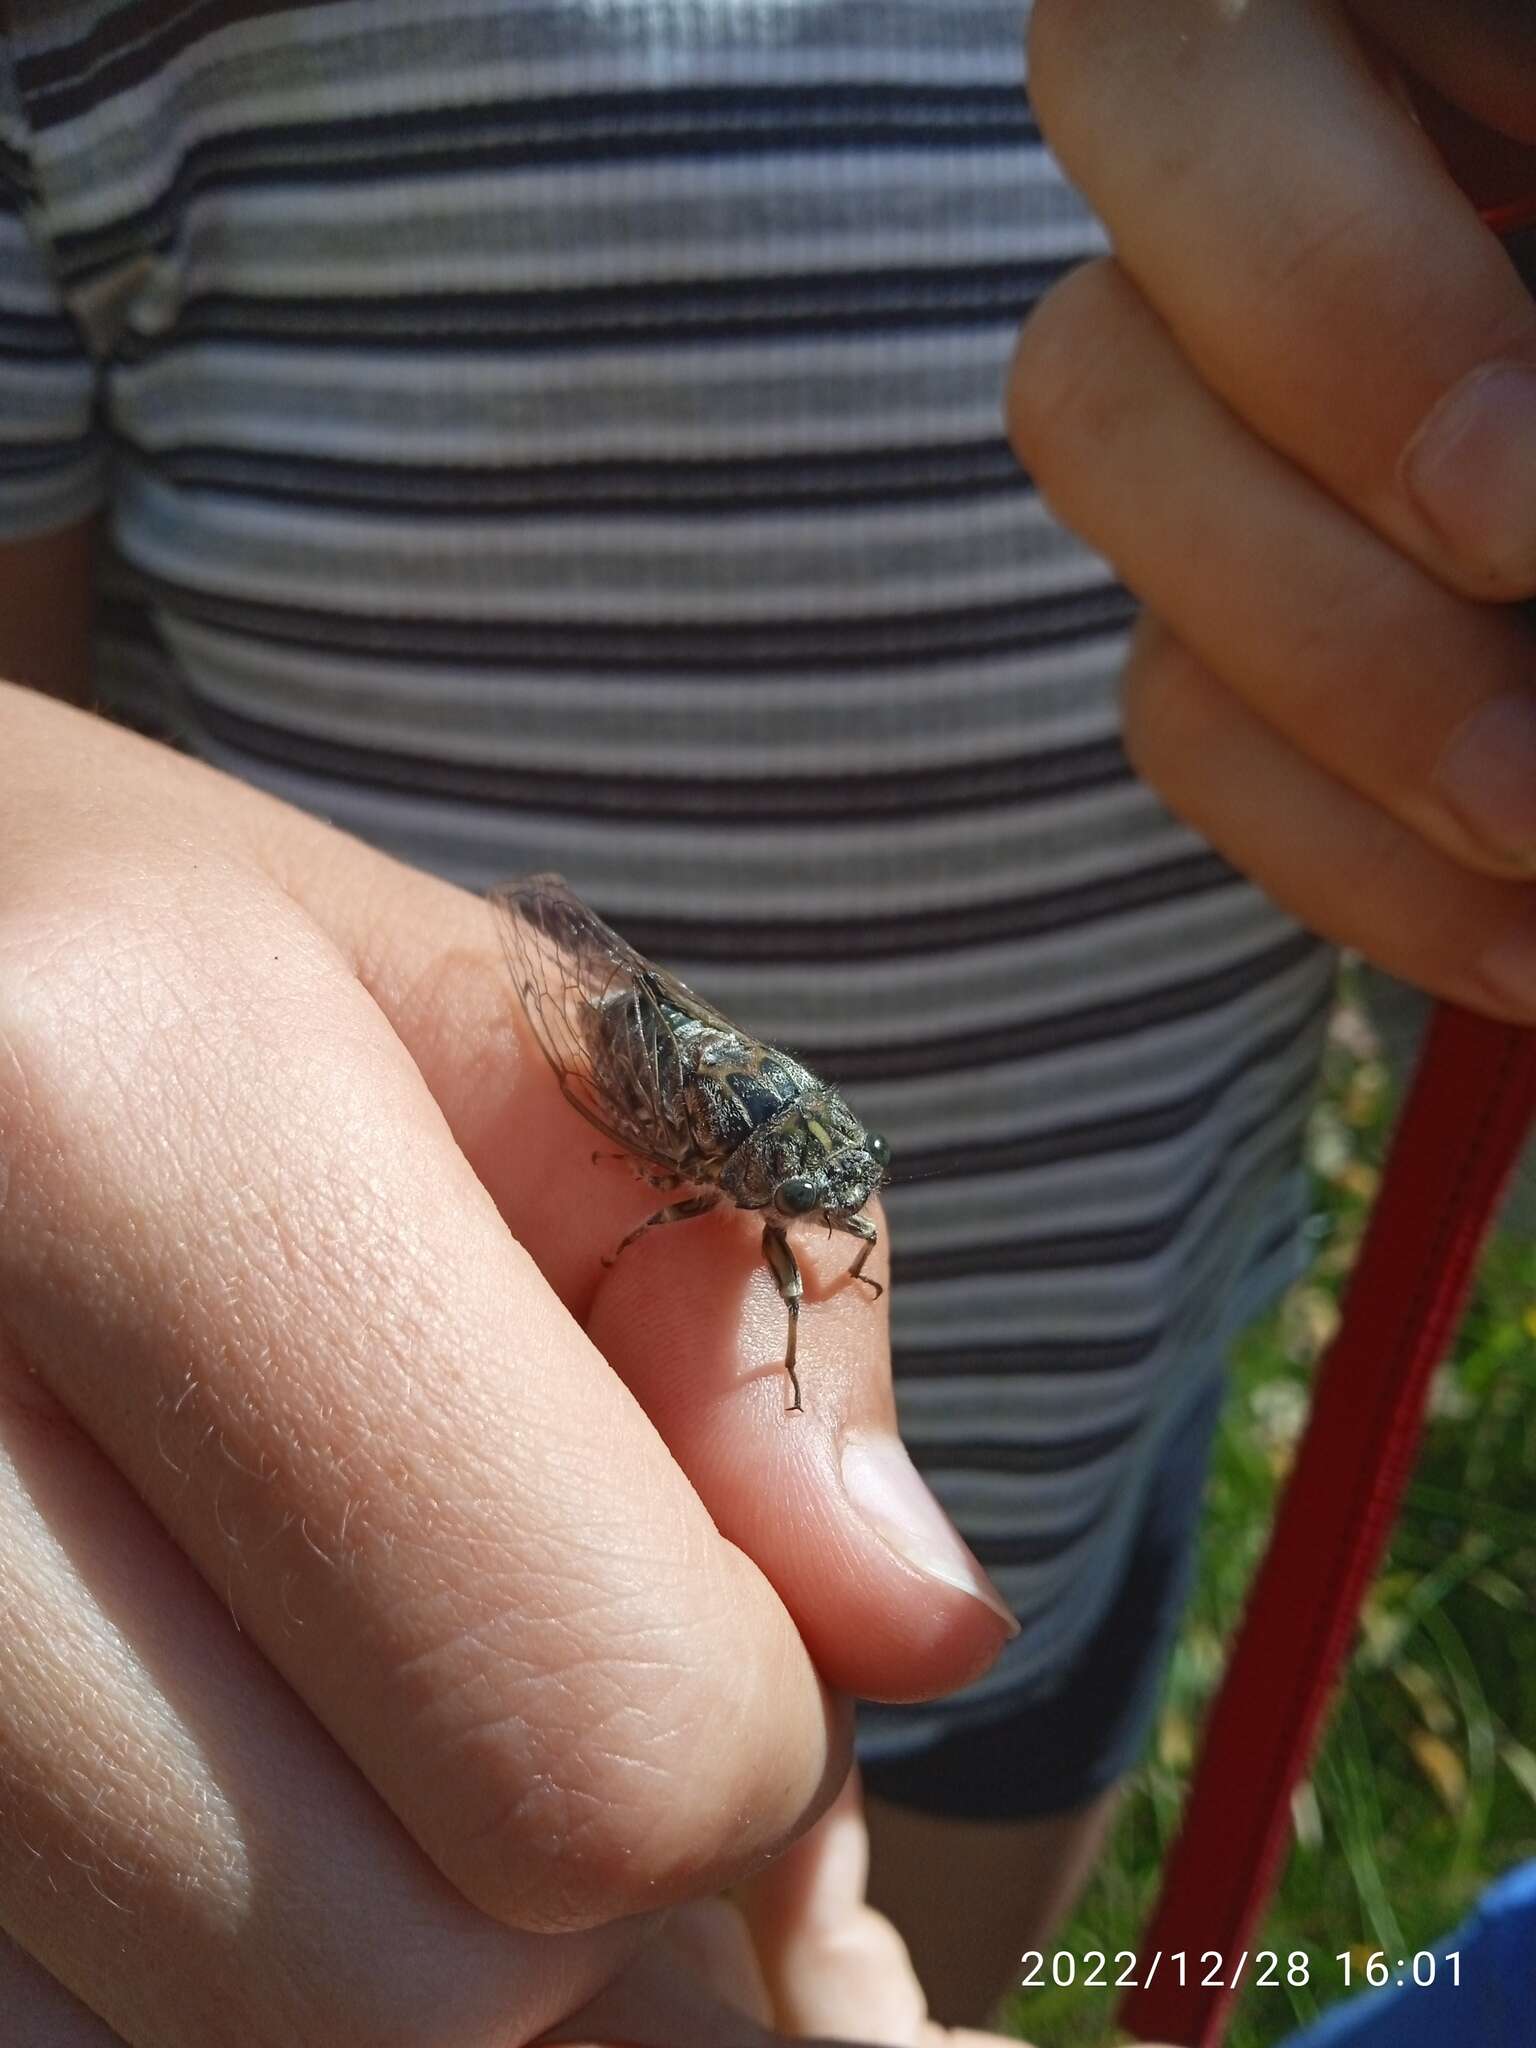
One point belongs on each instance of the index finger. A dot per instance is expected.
(1279, 206)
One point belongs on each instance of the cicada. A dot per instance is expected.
(692, 1098)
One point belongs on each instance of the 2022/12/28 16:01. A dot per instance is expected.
(1212, 1969)
(1421, 1968)
(685, 1092)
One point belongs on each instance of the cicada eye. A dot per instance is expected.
(879, 1149)
(796, 1195)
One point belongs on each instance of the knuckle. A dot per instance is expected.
(614, 1825)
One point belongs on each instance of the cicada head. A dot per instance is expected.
(842, 1169)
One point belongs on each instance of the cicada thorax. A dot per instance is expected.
(742, 1101)
(810, 1139)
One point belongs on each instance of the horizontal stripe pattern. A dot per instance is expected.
(752, 644)
(492, 321)
(574, 439)
(733, 800)
(53, 457)
(467, 491)
(607, 129)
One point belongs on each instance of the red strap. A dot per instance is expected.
(1459, 1137)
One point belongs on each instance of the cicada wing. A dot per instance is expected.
(550, 904)
(595, 1006)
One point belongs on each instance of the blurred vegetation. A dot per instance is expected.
(1426, 1784)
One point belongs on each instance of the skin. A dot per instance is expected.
(400, 1606)
(1327, 683)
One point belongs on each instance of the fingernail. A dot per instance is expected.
(888, 1491)
(1472, 470)
(1487, 775)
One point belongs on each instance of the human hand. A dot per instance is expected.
(1297, 409)
(392, 1597)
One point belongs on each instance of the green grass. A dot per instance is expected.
(1424, 1788)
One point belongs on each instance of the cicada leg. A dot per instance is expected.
(679, 1212)
(860, 1226)
(781, 1263)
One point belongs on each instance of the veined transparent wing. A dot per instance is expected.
(603, 1014)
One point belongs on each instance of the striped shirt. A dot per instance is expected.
(567, 434)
